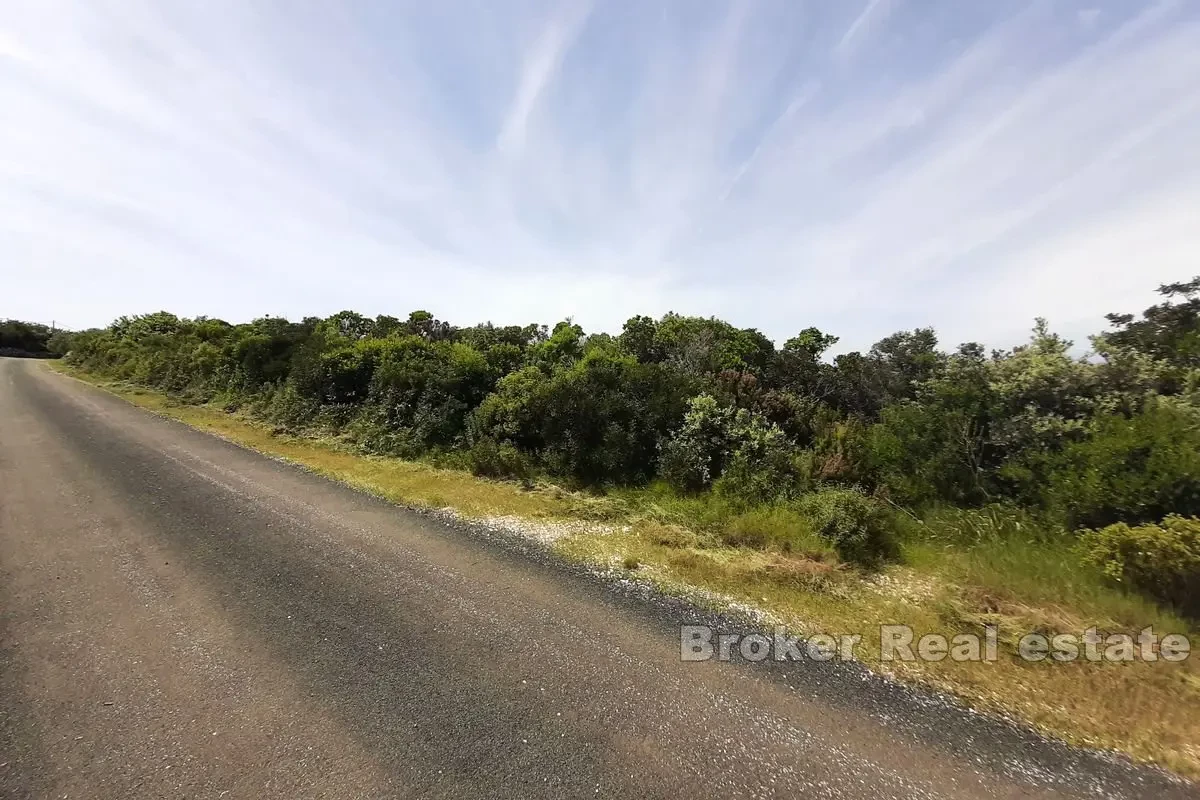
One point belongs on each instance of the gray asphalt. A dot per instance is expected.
(180, 617)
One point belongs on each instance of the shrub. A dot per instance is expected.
(372, 431)
(696, 454)
(429, 388)
(513, 412)
(491, 459)
(1135, 469)
(1162, 561)
(24, 337)
(744, 456)
(287, 407)
(344, 375)
(596, 422)
(923, 453)
(857, 526)
(764, 468)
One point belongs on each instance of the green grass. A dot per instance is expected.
(959, 570)
(718, 521)
(1008, 561)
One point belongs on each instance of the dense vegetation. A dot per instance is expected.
(857, 445)
(30, 339)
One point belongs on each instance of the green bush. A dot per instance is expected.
(25, 338)
(428, 388)
(765, 469)
(287, 407)
(596, 422)
(703, 405)
(923, 454)
(491, 459)
(741, 454)
(374, 433)
(1130, 469)
(857, 526)
(695, 455)
(1162, 561)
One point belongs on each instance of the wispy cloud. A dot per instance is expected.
(541, 63)
(780, 164)
(874, 13)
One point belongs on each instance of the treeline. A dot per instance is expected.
(708, 407)
(31, 340)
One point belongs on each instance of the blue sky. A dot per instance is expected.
(863, 166)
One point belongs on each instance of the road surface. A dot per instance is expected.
(180, 617)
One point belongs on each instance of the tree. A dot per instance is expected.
(707, 346)
(29, 339)
(1169, 331)
(798, 368)
(936, 447)
(562, 349)
(906, 360)
(349, 325)
(639, 339)
(423, 324)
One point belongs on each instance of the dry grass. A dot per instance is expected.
(1144, 709)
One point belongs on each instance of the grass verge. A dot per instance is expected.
(959, 571)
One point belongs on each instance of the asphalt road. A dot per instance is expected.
(180, 617)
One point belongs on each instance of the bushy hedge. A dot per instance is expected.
(19, 338)
(1128, 468)
(856, 525)
(1162, 560)
(709, 407)
(491, 459)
